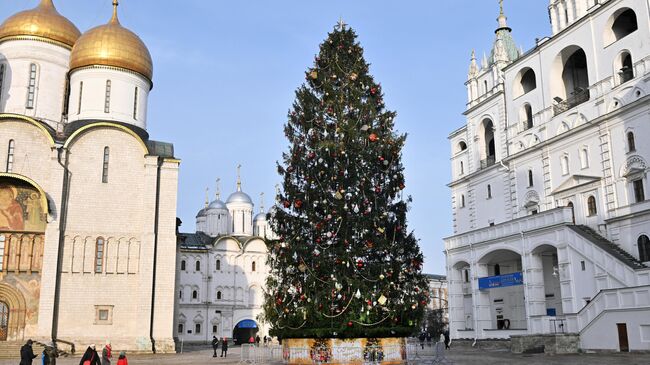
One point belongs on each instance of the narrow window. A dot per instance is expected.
(489, 191)
(626, 72)
(644, 248)
(197, 266)
(10, 155)
(529, 116)
(534, 212)
(135, 104)
(197, 328)
(631, 144)
(639, 194)
(107, 99)
(183, 265)
(530, 178)
(180, 294)
(195, 294)
(466, 276)
(462, 201)
(591, 206)
(2, 252)
(565, 165)
(253, 266)
(31, 88)
(218, 295)
(485, 86)
(582, 265)
(214, 328)
(99, 255)
(497, 270)
(180, 328)
(105, 165)
(81, 93)
(2, 76)
(584, 158)
(462, 168)
(218, 265)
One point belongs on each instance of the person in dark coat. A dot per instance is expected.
(215, 345)
(447, 339)
(224, 347)
(257, 340)
(91, 356)
(50, 354)
(27, 353)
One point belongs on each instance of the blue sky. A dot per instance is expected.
(225, 73)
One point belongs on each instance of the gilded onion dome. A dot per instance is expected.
(41, 23)
(114, 46)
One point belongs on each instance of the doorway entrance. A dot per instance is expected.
(4, 321)
(623, 344)
(244, 330)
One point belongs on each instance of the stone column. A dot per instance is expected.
(534, 291)
(456, 303)
(482, 304)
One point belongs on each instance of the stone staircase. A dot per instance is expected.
(611, 248)
(11, 350)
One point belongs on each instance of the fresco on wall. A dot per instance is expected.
(21, 209)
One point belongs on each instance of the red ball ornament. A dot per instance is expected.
(373, 137)
(278, 301)
(350, 324)
(298, 204)
(402, 186)
(373, 90)
(378, 189)
(287, 204)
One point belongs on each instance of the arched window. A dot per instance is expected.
(531, 181)
(2, 77)
(180, 328)
(135, 104)
(489, 191)
(81, 93)
(528, 81)
(183, 265)
(99, 255)
(10, 155)
(466, 274)
(485, 87)
(565, 165)
(626, 72)
(528, 115)
(462, 146)
(195, 294)
(631, 145)
(253, 266)
(218, 295)
(488, 141)
(639, 192)
(573, 213)
(584, 158)
(218, 265)
(197, 328)
(591, 206)
(624, 24)
(107, 97)
(31, 88)
(644, 248)
(462, 168)
(497, 270)
(214, 328)
(570, 80)
(197, 266)
(107, 152)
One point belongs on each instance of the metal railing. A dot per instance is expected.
(578, 97)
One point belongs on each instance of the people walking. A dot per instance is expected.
(447, 339)
(27, 353)
(90, 357)
(49, 354)
(224, 347)
(422, 338)
(257, 340)
(215, 345)
(107, 354)
(122, 359)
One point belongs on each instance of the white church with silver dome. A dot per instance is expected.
(222, 271)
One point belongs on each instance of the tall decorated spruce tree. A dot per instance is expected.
(345, 264)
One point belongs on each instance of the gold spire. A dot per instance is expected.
(239, 177)
(42, 23)
(114, 19)
(218, 188)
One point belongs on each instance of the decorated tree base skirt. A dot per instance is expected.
(359, 351)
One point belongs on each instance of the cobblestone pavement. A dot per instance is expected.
(459, 357)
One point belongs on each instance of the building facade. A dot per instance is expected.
(549, 182)
(87, 199)
(222, 272)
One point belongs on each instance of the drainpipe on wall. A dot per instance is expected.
(155, 254)
(63, 213)
(473, 273)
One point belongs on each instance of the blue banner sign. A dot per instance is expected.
(247, 323)
(501, 281)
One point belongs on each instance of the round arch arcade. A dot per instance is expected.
(244, 330)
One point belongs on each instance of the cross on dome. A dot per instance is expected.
(239, 177)
(218, 188)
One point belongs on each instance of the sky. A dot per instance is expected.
(225, 73)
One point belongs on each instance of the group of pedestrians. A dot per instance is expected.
(444, 337)
(90, 357)
(223, 342)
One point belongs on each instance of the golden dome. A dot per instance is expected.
(43, 22)
(114, 46)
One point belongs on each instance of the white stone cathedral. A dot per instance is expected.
(549, 183)
(222, 271)
(87, 198)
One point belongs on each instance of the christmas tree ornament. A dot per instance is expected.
(382, 300)
(373, 137)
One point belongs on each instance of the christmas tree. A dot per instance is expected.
(345, 264)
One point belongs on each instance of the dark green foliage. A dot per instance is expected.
(345, 264)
